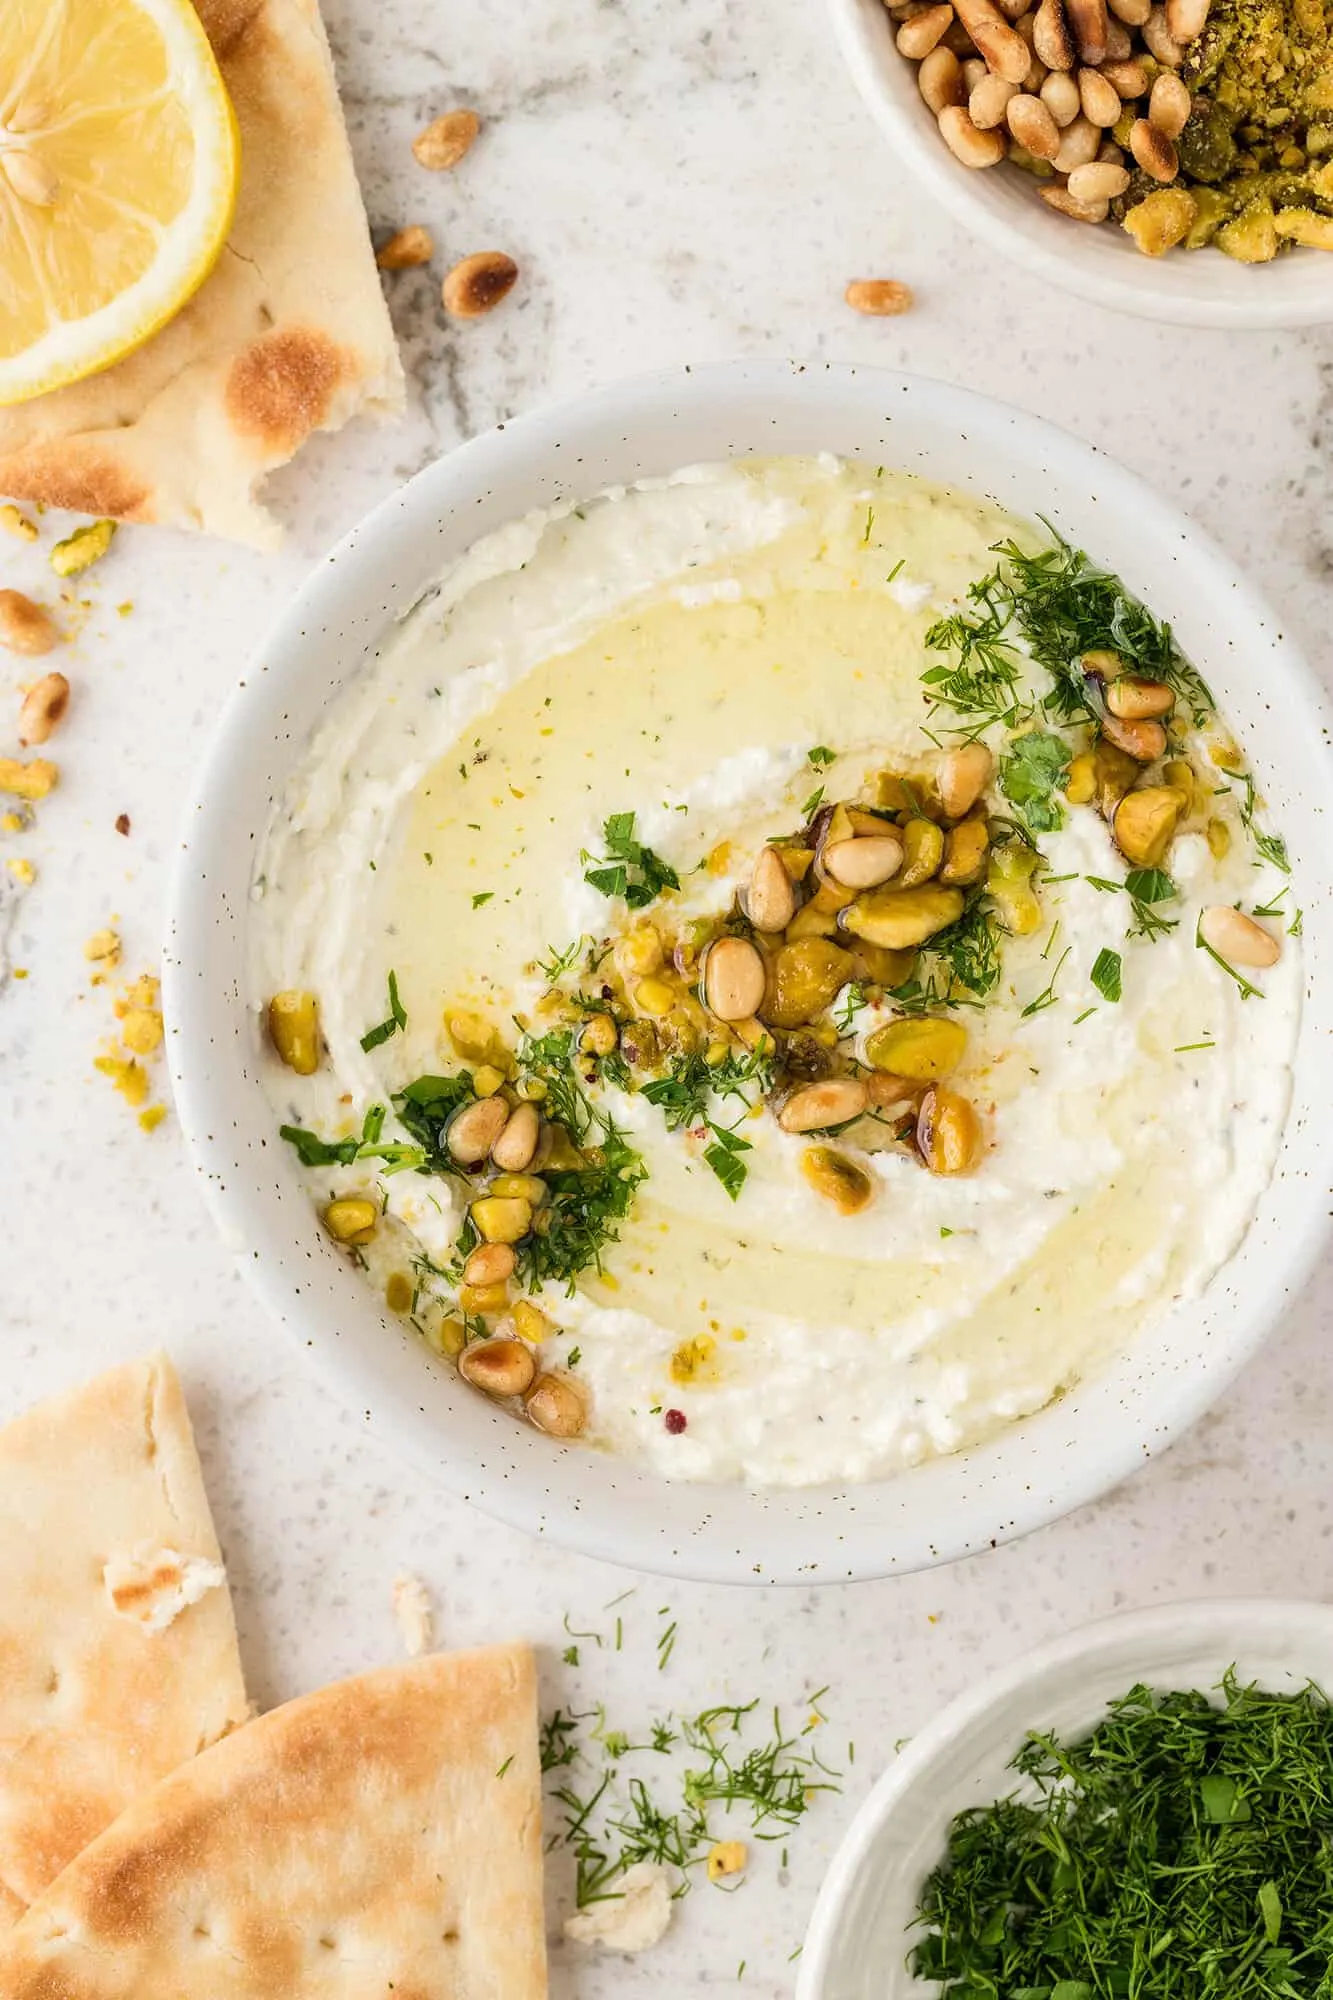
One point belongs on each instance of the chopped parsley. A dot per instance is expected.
(820, 756)
(959, 966)
(1106, 974)
(588, 1201)
(1032, 771)
(629, 869)
(396, 1019)
(426, 1108)
(1146, 888)
(312, 1151)
(484, 897)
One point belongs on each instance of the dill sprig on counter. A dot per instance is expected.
(623, 1817)
(1181, 1851)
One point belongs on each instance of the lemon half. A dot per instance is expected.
(119, 163)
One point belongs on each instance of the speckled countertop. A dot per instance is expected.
(677, 183)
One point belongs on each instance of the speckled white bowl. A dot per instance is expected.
(604, 1506)
(1001, 205)
(859, 1936)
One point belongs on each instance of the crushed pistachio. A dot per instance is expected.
(22, 870)
(15, 522)
(86, 546)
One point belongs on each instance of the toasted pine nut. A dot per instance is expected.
(917, 37)
(1119, 43)
(1087, 24)
(1051, 39)
(1097, 183)
(1127, 79)
(477, 284)
(1186, 19)
(1033, 126)
(885, 298)
(1100, 99)
(500, 1367)
(1109, 154)
(1159, 40)
(405, 249)
(43, 706)
(474, 1130)
(351, 1219)
(1060, 95)
(864, 861)
(1006, 53)
(974, 69)
(1080, 211)
(1132, 12)
(555, 1405)
(490, 1264)
(962, 777)
(1036, 77)
(512, 1152)
(1153, 151)
(973, 148)
(770, 901)
(940, 81)
(24, 626)
(1134, 699)
(733, 977)
(817, 1105)
(446, 140)
(1237, 938)
(1170, 105)
(989, 102)
(1078, 145)
(1013, 10)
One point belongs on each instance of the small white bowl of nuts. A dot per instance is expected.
(1105, 146)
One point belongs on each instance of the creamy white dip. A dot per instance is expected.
(676, 650)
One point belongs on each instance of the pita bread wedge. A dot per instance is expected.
(118, 1652)
(378, 1840)
(289, 335)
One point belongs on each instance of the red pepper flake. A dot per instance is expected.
(675, 1422)
(122, 822)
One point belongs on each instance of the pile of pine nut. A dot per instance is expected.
(1067, 88)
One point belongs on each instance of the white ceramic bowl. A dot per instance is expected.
(859, 1936)
(1001, 205)
(607, 1507)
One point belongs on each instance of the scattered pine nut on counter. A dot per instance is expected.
(1188, 123)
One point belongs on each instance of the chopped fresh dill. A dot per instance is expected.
(395, 1021)
(1247, 991)
(620, 1819)
(813, 803)
(629, 869)
(426, 1108)
(850, 1000)
(685, 1094)
(1145, 887)
(959, 966)
(870, 522)
(1046, 998)
(1184, 1048)
(557, 963)
(1180, 1851)
(588, 1201)
(1269, 846)
(897, 570)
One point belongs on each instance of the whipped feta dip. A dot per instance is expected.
(677, 649)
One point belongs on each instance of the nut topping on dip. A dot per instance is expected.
(778, 971)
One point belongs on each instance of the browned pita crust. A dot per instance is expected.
(378, 1840)
(95, 1706)
(289, 335)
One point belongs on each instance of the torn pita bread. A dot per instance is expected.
(98, 1701)
(289, 335)
(379, 1838)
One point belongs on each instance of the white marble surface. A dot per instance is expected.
(678, 183)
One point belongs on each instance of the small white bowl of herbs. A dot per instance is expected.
(1140, 1810)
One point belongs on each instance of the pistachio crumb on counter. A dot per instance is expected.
(80, 550)
(126, 1058)
(15, 522)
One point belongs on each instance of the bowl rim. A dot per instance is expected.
(1254, 1616)
(204, 1090)
(1060, 263)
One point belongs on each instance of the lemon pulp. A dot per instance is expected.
(118, 171)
